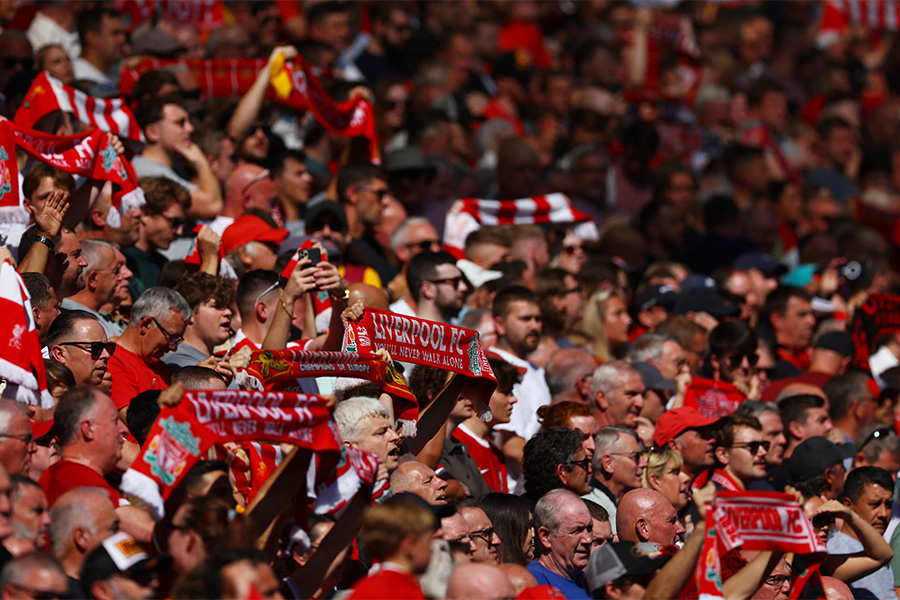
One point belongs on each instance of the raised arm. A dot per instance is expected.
(248, 108)
(876, 551)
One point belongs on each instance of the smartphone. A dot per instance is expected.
(313, 254)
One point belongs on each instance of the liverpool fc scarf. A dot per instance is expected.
(271, 369)
(424, 342)
(182, 434)
(87, 154)
(469, 214)
(297, 86)
(21, 363)
(48, 94)
(217, 78)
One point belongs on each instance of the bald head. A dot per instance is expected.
(248, 186)
(645, 515)
(373, 296)
(479, 582)
(835, 589)
(520, 577)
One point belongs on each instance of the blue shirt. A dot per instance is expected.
(573, 590)
(879, 584)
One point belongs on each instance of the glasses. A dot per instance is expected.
(11, 62)
(461, 543)
(753, 447)
(274, 286)
(453, 281)
(486, 534)
(264, 174)
(735, 360)
(576, 289)
(380, 193)
(634, 456)
(777, 581)
(424, 245)
(25, 438)
(395, 104)
(876, 435)
(42, 594)
(584, 464)
(95, 348)
(171, 340)
(572, 249)
(174, 222)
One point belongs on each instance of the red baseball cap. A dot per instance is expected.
(673, 423)
(41, 428)
(250, 228)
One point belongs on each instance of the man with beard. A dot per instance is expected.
(740, 455)
(364, 194)
(868, 492)
(517, 318)
(30, 512)
(563, 527)
(437, 286)
(77, 340)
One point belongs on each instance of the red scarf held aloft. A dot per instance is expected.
(89, 154)
(271, 369)
(182, 434)
(423, 342)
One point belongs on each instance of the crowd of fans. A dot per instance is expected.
(736, 173)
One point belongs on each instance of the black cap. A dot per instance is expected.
(611, 561)
(705, 300)
(761, 261)
(656, 295)
(516, 64)
(814, 455)
(837, 341)
(119, 554)
(653, 379)
(321, 207)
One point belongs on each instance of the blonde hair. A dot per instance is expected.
(656, 464)
(591, 332)
(385, 526)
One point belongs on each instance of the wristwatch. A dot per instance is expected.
(345, 296)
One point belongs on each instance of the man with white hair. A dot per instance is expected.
(421, 480)
(563, 530)
(618, 392)
(366, 424)
(102, 276)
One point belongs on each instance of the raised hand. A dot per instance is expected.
(50, 216)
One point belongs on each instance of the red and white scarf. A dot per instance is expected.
(48, 94)
(182, 434)
(21, 363)
(217, 78)
(469, 214)
(89, 154)
(837, 15)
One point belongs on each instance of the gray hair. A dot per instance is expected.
(156, 302)
(71, 510)
(607, 440)
(609, 376)
(549, 507)
(73, 408)
(8, 410)
(565, 369)
(872, 447)
(19, 570)
(351, 414)
(754, 408)
(401, 232)
(92, 251)
(647, 348)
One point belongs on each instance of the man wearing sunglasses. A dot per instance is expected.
(77, 340)
(159, 319)
(364, 194)
(437, 287)
(740, 454)
(730, 376)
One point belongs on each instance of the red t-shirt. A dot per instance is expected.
(713, 398)
(490, 461)
(387, 584)
(131, 376)
(65, 475)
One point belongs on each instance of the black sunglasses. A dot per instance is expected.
(95, 348)
(424, 245)
(753, 447)
(735, 360)
(584, 463)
